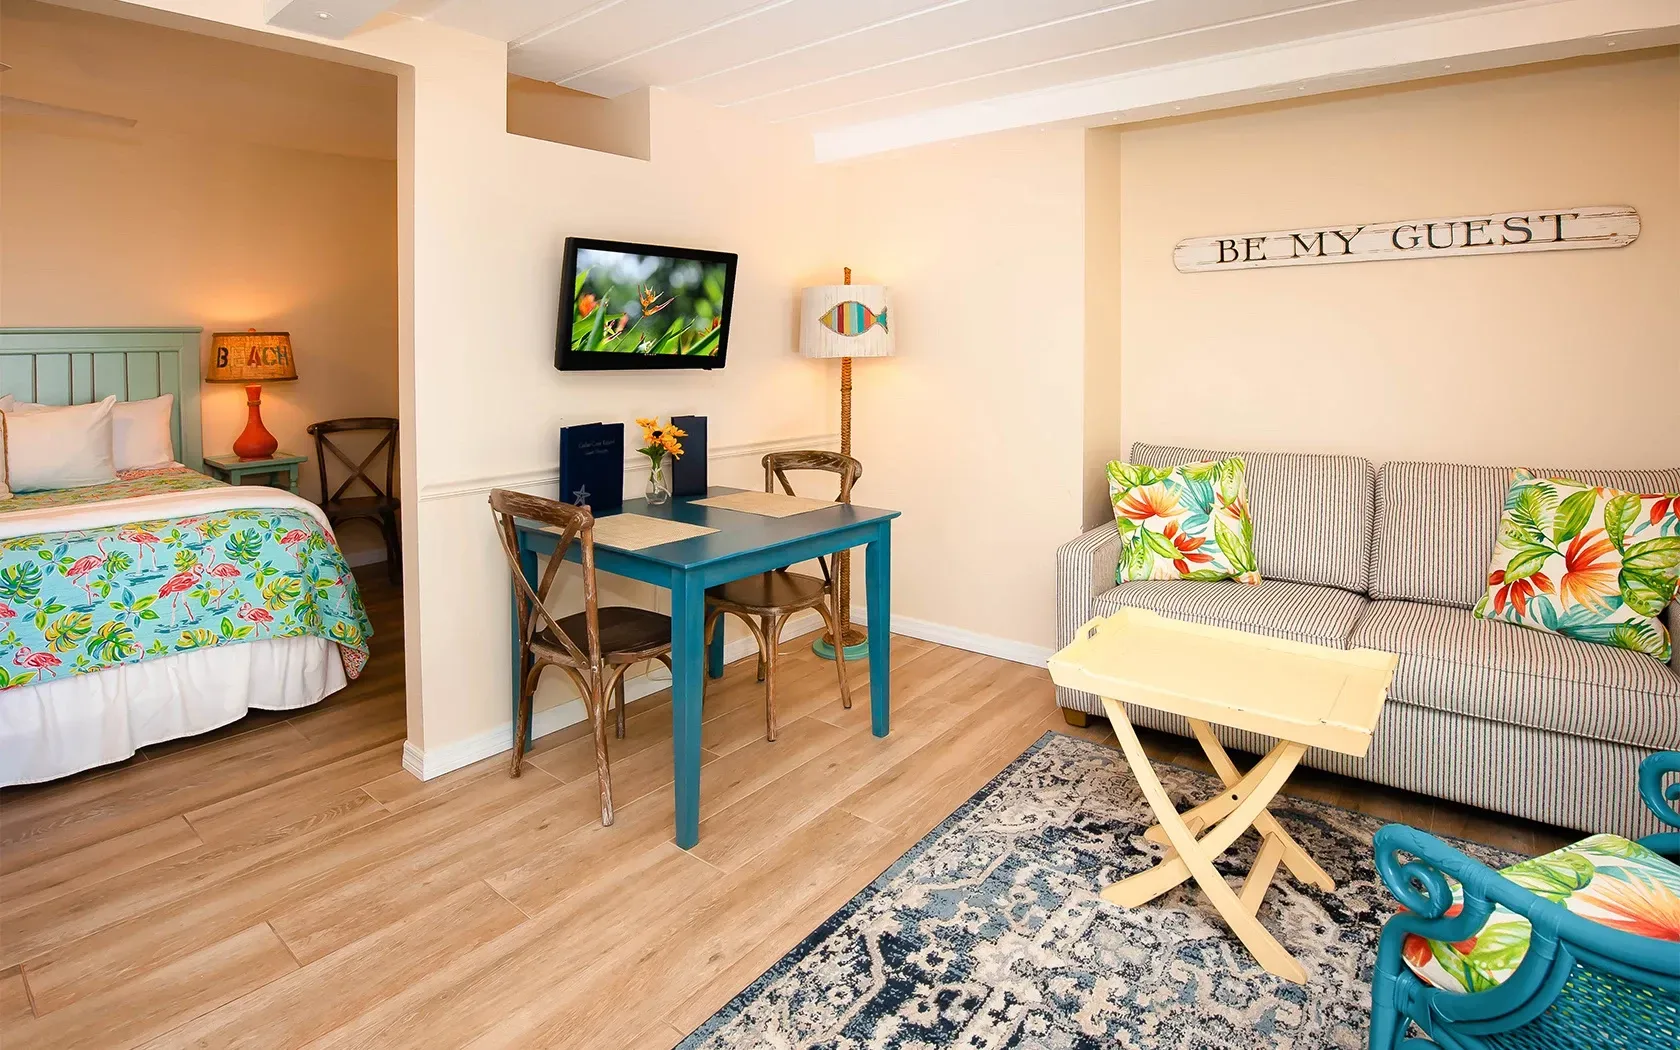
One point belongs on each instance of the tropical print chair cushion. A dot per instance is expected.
(1184, 523)
(1605, 878)
(1596, 564)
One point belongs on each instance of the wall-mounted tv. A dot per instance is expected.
(627, 305)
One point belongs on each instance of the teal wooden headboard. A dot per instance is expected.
(73, 366)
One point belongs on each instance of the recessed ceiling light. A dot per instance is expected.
(323, 15)
(1446, 65)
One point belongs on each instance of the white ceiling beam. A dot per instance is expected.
(334, 19)
(1535, 31)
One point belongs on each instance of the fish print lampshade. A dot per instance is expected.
(845, 320)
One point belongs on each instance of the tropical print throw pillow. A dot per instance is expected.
(1187, 523)
(1605, 878)
(1595, 564)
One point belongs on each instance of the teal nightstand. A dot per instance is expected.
(233, 470)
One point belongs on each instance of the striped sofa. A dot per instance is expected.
(1480, 712)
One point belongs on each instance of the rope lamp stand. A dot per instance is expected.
(845, 321)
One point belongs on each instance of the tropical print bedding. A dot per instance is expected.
(85, 599)
(1606, 878)
(129, 483)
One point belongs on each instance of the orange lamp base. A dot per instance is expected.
(256, 442)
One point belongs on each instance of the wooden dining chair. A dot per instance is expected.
(766, 601)
(594, 647)
(382, 506)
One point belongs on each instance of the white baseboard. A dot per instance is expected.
(971, 641)
(433, 762)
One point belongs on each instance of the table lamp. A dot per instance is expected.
(252, 357)
(845, 321)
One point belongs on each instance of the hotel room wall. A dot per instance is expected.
(256, 188)
(1560, 357)
(967, 430)
(482, 216)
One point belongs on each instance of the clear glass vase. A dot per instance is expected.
(658, 485)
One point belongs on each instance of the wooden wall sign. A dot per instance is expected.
(1550, 230)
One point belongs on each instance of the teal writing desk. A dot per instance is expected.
(744, 545)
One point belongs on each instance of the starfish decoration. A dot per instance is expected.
(580, 498)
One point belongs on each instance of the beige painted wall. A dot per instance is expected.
(970, 429)
(1102, 318)
(256, 189)
(540, 110)
(1564, 357)
(495, 412)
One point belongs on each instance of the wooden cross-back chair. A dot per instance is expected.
(765, 602)
(594, 647)
(382, 506)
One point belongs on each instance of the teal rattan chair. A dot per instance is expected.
(1598, 967)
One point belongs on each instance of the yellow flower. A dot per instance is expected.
(676, 431)
(671, 445)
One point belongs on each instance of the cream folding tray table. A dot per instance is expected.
(1302, 695)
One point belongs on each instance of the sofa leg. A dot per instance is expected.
(1075, 718)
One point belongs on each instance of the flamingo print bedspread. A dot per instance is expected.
(166, 568)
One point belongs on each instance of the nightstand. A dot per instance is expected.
(233, 470)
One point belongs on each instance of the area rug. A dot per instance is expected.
(989, 933)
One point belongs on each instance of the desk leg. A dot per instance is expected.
(878, 582)
(528, 566)
(688, 644)
(714, 649)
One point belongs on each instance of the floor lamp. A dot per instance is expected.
(845, 321)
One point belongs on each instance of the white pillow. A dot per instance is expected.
(60, 448)
(5, 484)
(140, 433)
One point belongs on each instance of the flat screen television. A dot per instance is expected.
(627, 305)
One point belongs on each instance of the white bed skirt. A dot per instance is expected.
(77, 722)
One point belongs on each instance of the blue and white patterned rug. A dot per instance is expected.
(989, 933)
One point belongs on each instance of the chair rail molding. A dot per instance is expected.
(635, 465)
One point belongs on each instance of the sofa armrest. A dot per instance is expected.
(1674, 636)
(1085, 568)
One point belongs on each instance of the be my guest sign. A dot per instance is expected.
(1555, 229)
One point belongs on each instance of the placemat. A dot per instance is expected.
(632, 532)
(769, 504)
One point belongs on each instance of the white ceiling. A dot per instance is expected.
(825, 63)
(838, 66)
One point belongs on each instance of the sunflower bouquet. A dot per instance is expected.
(659, 441)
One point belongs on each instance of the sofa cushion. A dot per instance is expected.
(1297, 611)
(1313, 515)
(1436, 523)
(1452, 661)
(1595, 564)
(1188, 522)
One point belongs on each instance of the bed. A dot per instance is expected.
(162, 604)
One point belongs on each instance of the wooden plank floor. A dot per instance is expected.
(283, 882)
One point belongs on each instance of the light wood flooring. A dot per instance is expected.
(283, 882)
